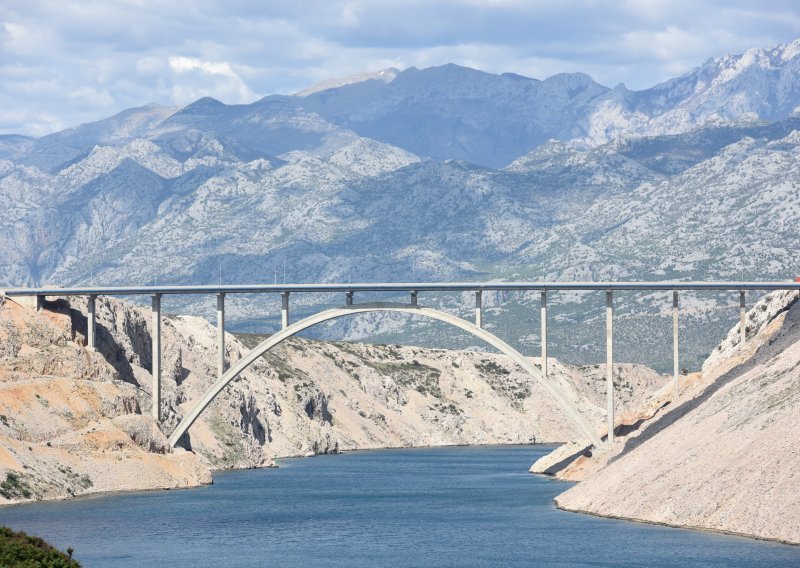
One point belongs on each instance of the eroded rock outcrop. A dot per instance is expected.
(722, 457)
(69, 422)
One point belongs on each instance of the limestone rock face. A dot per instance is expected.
(144, 431)
(75, 420)
(723, 456)
(70, 421)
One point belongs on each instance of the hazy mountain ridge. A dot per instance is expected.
(289, 185)
(453, 112)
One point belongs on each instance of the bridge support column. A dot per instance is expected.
(284, 310)
(742, 319)
(91, 324)
(676, 391)
(156, 356)
(221, 334)
(610, 365)
(544, 333)
(478, 309)
(414, 298)
(348, 298)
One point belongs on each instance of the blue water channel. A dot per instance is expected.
(463, 506)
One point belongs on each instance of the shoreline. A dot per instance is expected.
(674, 526)
(554, 501)
(99, 494)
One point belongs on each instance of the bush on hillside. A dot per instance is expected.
(23, 551)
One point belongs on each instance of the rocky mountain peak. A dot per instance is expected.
(383, 76)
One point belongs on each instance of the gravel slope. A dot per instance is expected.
(724, 456)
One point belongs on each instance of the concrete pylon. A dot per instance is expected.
(676, 391)
(91, 323)
(478, 309)
(220, 334)
(544, 332)
(742, 319)
(610, 365)
(156, 356)
(284, 310)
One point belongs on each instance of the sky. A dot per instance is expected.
(67, 62)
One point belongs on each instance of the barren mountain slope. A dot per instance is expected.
(723, 457)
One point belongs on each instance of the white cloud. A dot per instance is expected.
(351, 14)
(207, 83)
(81, 60)
(186, 64)
(97, 98)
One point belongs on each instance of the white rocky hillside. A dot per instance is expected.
(723, 457)
(76, 421)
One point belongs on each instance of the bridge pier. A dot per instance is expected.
(676, 391)
(414, 298)
(478, 309)
(91, 324)
(284, 310)
(156, 356)
(348, 298)
(742, 319)
(544, 333)
(221, 334)
(610, 365)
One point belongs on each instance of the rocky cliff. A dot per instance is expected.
(722, 457)
(76, 421)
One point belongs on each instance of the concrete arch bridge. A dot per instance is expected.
(35, 296)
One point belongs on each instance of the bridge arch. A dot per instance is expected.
(231, 374)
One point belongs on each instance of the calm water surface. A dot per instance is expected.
(455, 507)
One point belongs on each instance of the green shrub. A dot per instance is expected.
(19, 549)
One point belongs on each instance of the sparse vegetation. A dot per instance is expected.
(420, 377)
(14, 487)
(9, 340)
(229, 437)
(491, 368)
(24, 551)
(446, 408)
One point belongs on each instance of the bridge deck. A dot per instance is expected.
(398, 287)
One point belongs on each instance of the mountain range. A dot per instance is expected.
(446, 173)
